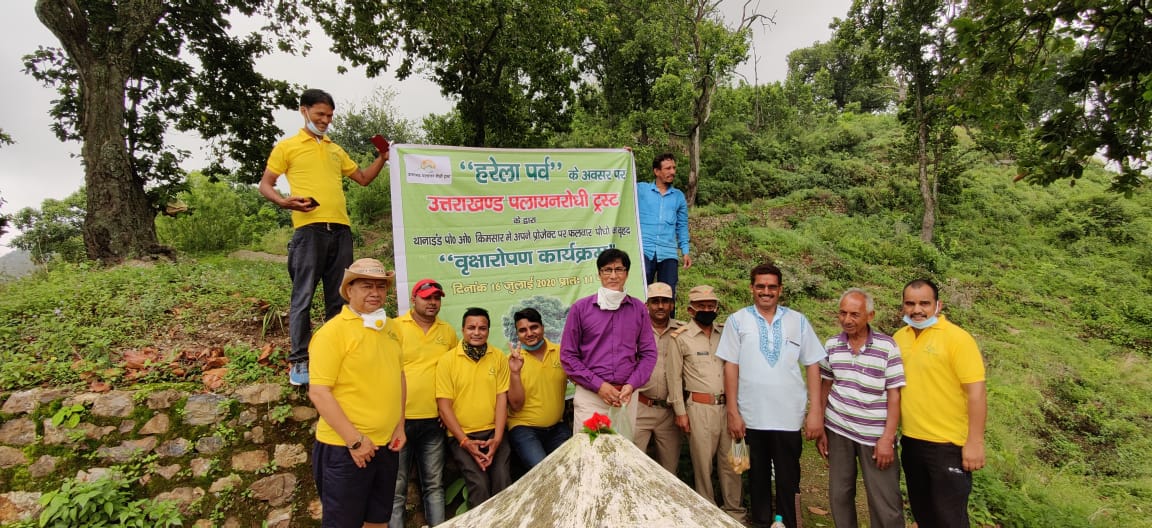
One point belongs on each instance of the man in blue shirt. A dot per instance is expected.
(663, 223)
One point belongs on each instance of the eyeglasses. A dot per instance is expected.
(613, 271)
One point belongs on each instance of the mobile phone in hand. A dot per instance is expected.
(380, 143)
(312, 202)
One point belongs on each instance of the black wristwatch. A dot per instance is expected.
(356, 445)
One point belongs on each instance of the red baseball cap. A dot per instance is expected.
(426, 288)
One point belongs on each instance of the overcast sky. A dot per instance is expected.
(38, 166)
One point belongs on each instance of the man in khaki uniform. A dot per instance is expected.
(654, 418)
(702, 413)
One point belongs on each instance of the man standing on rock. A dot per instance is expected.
(943, 408)
(702, 413)
(663, 214)
(321, 246)
(771, 372)
(861, 398)
(358, 389)
(424, 338)
(654, 418)
(607, 348)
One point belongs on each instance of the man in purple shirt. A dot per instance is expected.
(608, 348)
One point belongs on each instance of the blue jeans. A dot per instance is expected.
(532, 444)
(317, 252)
(426, 438)
(666, 271)
(938, 486)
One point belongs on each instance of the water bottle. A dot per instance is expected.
(778, 523)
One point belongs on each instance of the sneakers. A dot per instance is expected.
(298, 373)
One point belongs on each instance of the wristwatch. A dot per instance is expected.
(356, 445)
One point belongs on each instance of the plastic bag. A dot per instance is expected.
(738, 457)
(620, 422)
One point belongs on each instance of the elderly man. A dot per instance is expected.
(943, 407)
(860, 394)
(655, 421)
(472, 395)
(771, 372)
(536, 390)
(702, 414)
(321, 246)
(607, 348)
(358, 389)
(424, 338)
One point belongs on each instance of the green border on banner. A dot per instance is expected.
(504, 229)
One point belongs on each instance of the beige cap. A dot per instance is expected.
(702, 292)
(659, 289)
(365, 268)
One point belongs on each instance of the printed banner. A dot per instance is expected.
(505, 229)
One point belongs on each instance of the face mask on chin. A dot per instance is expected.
(609, 299)
(375, 320)
(312, 127)
(533, 348)
(920, 325)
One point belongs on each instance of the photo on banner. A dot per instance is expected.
(506, 229)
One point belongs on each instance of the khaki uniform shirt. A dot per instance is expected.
(665, 381)
(702, 371)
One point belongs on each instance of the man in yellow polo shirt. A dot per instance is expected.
(536, 390)
(472, 395)
(358, 389)
(424, 338)
(321, 246)
(943, 408)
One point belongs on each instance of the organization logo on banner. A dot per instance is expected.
(428, 170)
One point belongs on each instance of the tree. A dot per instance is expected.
(707, 56)
(1092, 61)
(377, 114)
(128, 70)
(913, 36)
(53, 232)
(5, 139)
(509, 63)
(843, 73)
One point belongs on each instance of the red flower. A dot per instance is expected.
(597, 424)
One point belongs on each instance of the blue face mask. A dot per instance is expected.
(920, 325)
(312, 127)
(533, 348)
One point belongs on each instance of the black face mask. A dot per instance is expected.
(704, 318)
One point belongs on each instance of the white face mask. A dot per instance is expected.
(609, 299)
(312, 127)
(375, 320)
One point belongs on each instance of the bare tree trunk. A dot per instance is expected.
(927, 182)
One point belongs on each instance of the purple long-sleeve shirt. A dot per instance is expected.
(600, 346)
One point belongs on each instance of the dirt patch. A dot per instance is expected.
(245, 254)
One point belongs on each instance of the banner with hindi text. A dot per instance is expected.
(504, 229)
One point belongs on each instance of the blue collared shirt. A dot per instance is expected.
(663, 221)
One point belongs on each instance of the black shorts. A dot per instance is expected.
(352, 496)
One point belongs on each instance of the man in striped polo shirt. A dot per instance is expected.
(862, 376)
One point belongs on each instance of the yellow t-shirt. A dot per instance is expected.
(363, 367)
(316, 169)
(544, 385)
(473, 386)
(934, 406)
(421, 353)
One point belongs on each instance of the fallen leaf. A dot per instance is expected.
(214, 378)
(265, 353)
(99, 386)
(817, 511)
(216, 362)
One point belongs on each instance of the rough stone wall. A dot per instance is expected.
(238, 459)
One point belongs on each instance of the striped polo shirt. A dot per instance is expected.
(858, 403)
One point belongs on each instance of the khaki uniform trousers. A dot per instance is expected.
(710, 443)
(658, 424)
